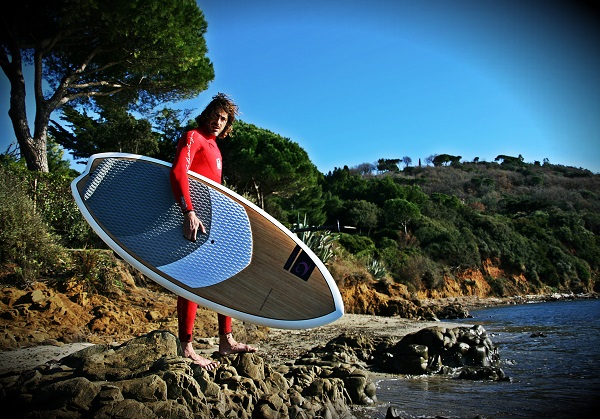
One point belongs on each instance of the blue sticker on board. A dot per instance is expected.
(300, 264)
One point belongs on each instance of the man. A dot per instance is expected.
(197, 151)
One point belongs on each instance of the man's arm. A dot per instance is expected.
(180, 185)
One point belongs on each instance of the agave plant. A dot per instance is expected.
(375, 268)
(319, 241)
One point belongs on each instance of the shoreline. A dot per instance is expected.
(474, 302)
(282, 346)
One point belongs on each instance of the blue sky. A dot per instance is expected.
(354, 81)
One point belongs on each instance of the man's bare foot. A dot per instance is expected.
(204, 363)
(228, 345)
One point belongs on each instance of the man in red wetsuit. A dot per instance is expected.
(197, 151)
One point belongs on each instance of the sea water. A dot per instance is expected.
(550, 351)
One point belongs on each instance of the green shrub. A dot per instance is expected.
(446, 244)
(393, 258)
(375, 267)
(419, 272)
(97, 270)
(52, 199)
(356, 244)
(56, 204)
(27, 246)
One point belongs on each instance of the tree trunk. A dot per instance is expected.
(259, 196)
(34, 152)
(32, 148)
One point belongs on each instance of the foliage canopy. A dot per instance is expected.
(138, 52)
(275, 171)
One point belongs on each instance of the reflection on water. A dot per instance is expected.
(551, 352)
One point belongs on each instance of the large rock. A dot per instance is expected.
(103, 362)
(147, 377)
(77, 392)
(429, 350)
(443, 350)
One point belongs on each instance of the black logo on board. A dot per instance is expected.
(299, 264)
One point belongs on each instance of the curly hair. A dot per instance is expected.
(219, 101)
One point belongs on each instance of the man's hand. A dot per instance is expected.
(191, 226)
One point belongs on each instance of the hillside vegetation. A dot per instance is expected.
(523, 228)
(475, 228)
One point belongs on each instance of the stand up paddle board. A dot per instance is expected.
(247, 266)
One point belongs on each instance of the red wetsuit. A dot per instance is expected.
(199, 153)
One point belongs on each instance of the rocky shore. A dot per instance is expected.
(472, 302)
(46, 371)
(147, 376)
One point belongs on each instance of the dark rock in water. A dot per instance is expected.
(410, 359)
(483, 373)
(147, 377)
(393, 413)
(428, 351)
(445, 347)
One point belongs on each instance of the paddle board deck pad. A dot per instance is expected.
(247, 265)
